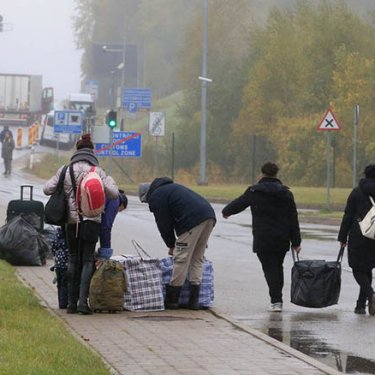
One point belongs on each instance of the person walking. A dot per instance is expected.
(7, 152)
(112, 208)
(275, 227)
(361, 250)
(82, 232)
(181, 212)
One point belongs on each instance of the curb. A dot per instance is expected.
(277, 344)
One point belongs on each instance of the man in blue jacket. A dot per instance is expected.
(183, 213)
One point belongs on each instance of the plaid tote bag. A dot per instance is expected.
(145, 290)
(206, 294)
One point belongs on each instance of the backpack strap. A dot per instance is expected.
(74, 185)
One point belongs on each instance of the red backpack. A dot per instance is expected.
(90, 194)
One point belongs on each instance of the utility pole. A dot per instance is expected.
(355, 145)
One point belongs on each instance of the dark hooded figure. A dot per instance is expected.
(275, 227)
(361, 250)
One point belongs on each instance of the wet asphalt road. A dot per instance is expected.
(333, 335)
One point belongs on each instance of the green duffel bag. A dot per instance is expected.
(108, 286)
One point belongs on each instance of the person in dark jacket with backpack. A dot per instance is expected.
(361, 250)
(275, 227)
(181, 212)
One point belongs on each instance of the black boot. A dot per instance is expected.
(194, 297)
(86, 274)
(172, 294)
(73, 287)
(62, 287)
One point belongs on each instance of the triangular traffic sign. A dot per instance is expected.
(329, 122)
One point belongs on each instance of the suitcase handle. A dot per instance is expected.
(138, 247)
(31, 187)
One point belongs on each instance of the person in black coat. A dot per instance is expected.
(361, 250)
(275, 227)
(181, 212)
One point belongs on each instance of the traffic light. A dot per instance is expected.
(111, 118)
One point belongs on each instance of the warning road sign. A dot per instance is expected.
(329, 122)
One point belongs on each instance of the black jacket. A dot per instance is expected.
(361, 250)
(275, 218)
(176, 208)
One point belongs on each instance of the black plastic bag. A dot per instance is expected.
(316, 283)
(21, 244)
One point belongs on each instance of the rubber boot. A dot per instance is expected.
(73, 287)
(172, 295)
(86, 274)
(194, 297)
(62, 287)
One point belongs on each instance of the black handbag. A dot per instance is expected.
(316, 283)
(56, 211)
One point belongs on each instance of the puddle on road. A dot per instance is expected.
(310, 345)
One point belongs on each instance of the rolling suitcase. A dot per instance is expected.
(32, 211)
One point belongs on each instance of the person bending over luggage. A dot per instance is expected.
(112, 207)
(82, 232)
(361, 250)
(60, 253)
(180, 212)
(275, 227)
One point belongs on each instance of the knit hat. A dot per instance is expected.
(123, 198)
(143, 191)
(370, 171)
(85, 142)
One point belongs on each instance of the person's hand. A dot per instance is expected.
(343, 244)
(170, 251)
(297, 249)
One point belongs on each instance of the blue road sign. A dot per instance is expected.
(69, 122)
(141, 98)
(126, 145)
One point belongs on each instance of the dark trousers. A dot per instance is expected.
(364, 280)
(272, 265)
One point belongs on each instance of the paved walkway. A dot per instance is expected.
(175, 341)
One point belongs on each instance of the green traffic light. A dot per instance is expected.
(112, 123)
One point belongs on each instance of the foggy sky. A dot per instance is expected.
(41, 42)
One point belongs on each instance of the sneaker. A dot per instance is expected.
(276, 307)
(360, 310)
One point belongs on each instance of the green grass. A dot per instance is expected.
(32, 341)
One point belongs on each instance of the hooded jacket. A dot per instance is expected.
(82, 160)
(176, 208)
(361, 250)
(274, 213)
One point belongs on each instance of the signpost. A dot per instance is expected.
(125, 145)
(329, 123)
(134, 100)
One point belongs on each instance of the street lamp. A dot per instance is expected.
(204, 80)
(122, 67)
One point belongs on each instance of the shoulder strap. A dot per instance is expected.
(74, 185)
(372, 201)
(60, 183)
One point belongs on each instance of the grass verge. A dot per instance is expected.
(32, 341)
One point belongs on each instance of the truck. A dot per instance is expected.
(23, 99)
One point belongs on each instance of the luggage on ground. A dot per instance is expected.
(143, 273)
(206, 293)
(32, 211)
(21, 244)
(108, 287)
(316, 283)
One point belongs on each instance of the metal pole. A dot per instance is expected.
(110, 151)
(328, 169)
(203, 135)
(172, 173)
(355, 145)
(122, 88)
(254, 159)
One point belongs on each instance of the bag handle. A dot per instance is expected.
(372, 201)
(338, 261)
(138, 247)
(60, 183)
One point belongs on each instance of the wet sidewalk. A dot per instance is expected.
(175, 341)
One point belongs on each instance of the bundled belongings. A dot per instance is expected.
(143, 273)
(206, 292)
(367, 224)
(108, 287)
(316, 283)
(31, 210)
(21, 244)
